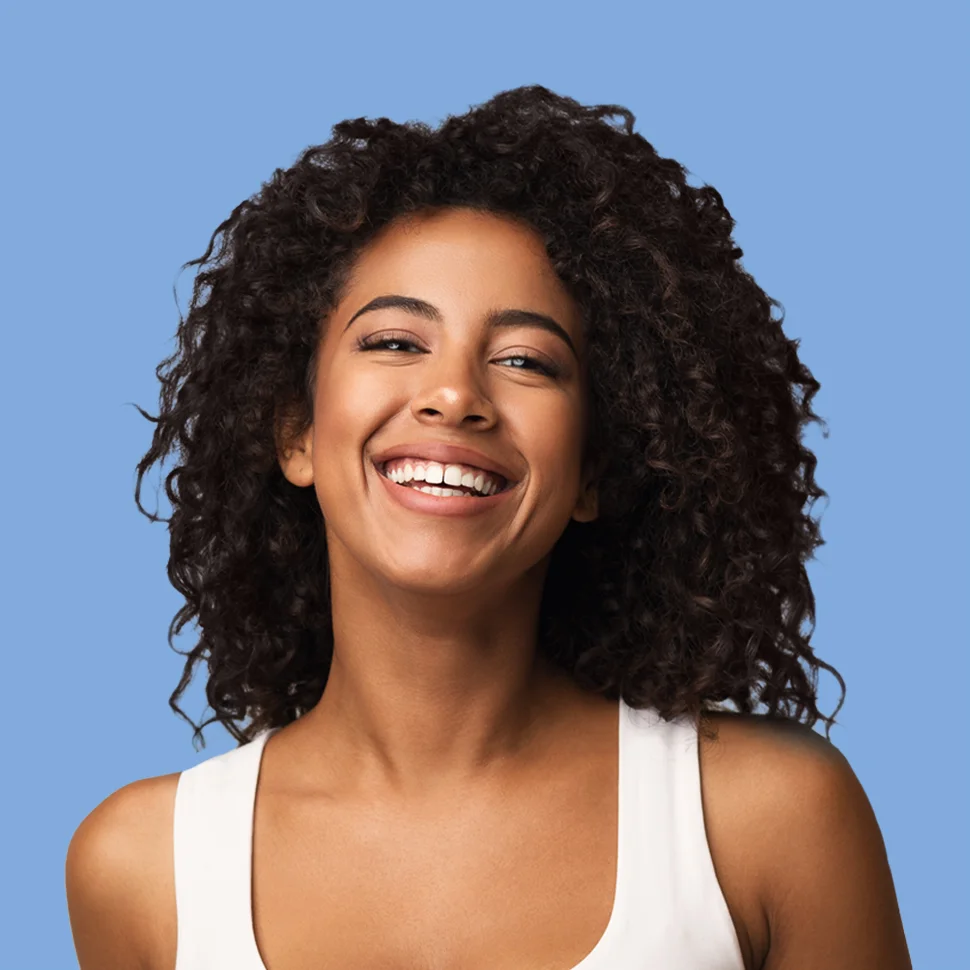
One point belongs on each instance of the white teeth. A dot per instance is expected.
(434, 473)
(437, 490)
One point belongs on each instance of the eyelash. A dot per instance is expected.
(379, 343)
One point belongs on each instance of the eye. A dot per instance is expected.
(389, 341)
(529, 363)
(403, 343)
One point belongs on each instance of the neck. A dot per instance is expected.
(427, 692)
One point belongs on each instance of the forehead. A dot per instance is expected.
(481, 258)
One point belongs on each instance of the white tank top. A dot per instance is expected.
(668, 913)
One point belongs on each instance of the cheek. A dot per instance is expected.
(554, 448)
(354, 399)
(349, 409)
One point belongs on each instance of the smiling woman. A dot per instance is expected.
(473, 378)
(492, 508)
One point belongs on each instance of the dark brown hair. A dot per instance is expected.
(689, 591)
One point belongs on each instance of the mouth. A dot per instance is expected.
(443, 480)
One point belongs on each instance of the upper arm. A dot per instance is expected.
(119, 878)
(826, 883)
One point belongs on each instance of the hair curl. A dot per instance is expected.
(688, 592)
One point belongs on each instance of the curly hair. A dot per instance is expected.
(689, 592)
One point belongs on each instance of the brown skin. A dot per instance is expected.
(434, 617)
(440, 733)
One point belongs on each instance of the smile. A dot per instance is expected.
(444, 480)
(445, 489)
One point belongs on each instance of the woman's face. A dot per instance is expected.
(452, 362)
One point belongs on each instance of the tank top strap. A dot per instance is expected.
(213, 830)
(683, 918)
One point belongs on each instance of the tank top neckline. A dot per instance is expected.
(620, 889)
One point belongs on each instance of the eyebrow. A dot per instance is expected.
(495, 318)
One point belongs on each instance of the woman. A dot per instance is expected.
(493, 512)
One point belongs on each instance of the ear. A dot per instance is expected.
(587, 506)
(295, 453)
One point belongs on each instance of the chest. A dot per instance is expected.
(525, 883)
(500, 876)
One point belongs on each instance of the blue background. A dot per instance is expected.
(837, 134)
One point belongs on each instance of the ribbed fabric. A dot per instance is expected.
(669, 912)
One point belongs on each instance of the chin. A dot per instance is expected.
(436, 572)
(434, 580)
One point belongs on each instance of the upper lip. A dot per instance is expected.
(445, 454)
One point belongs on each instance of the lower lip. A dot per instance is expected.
(418, 501)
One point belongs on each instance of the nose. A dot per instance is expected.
(453, 393)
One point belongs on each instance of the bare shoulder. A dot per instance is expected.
(800, 847)
(120, 880)
(772, 751)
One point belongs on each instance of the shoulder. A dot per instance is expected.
(771, 777)
(787, 810)
(786, 779)
(120, 880)
(777, 753)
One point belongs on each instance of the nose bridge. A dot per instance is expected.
(454, 384)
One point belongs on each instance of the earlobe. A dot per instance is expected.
(296, 461)
(294, 445)
(587, 508)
